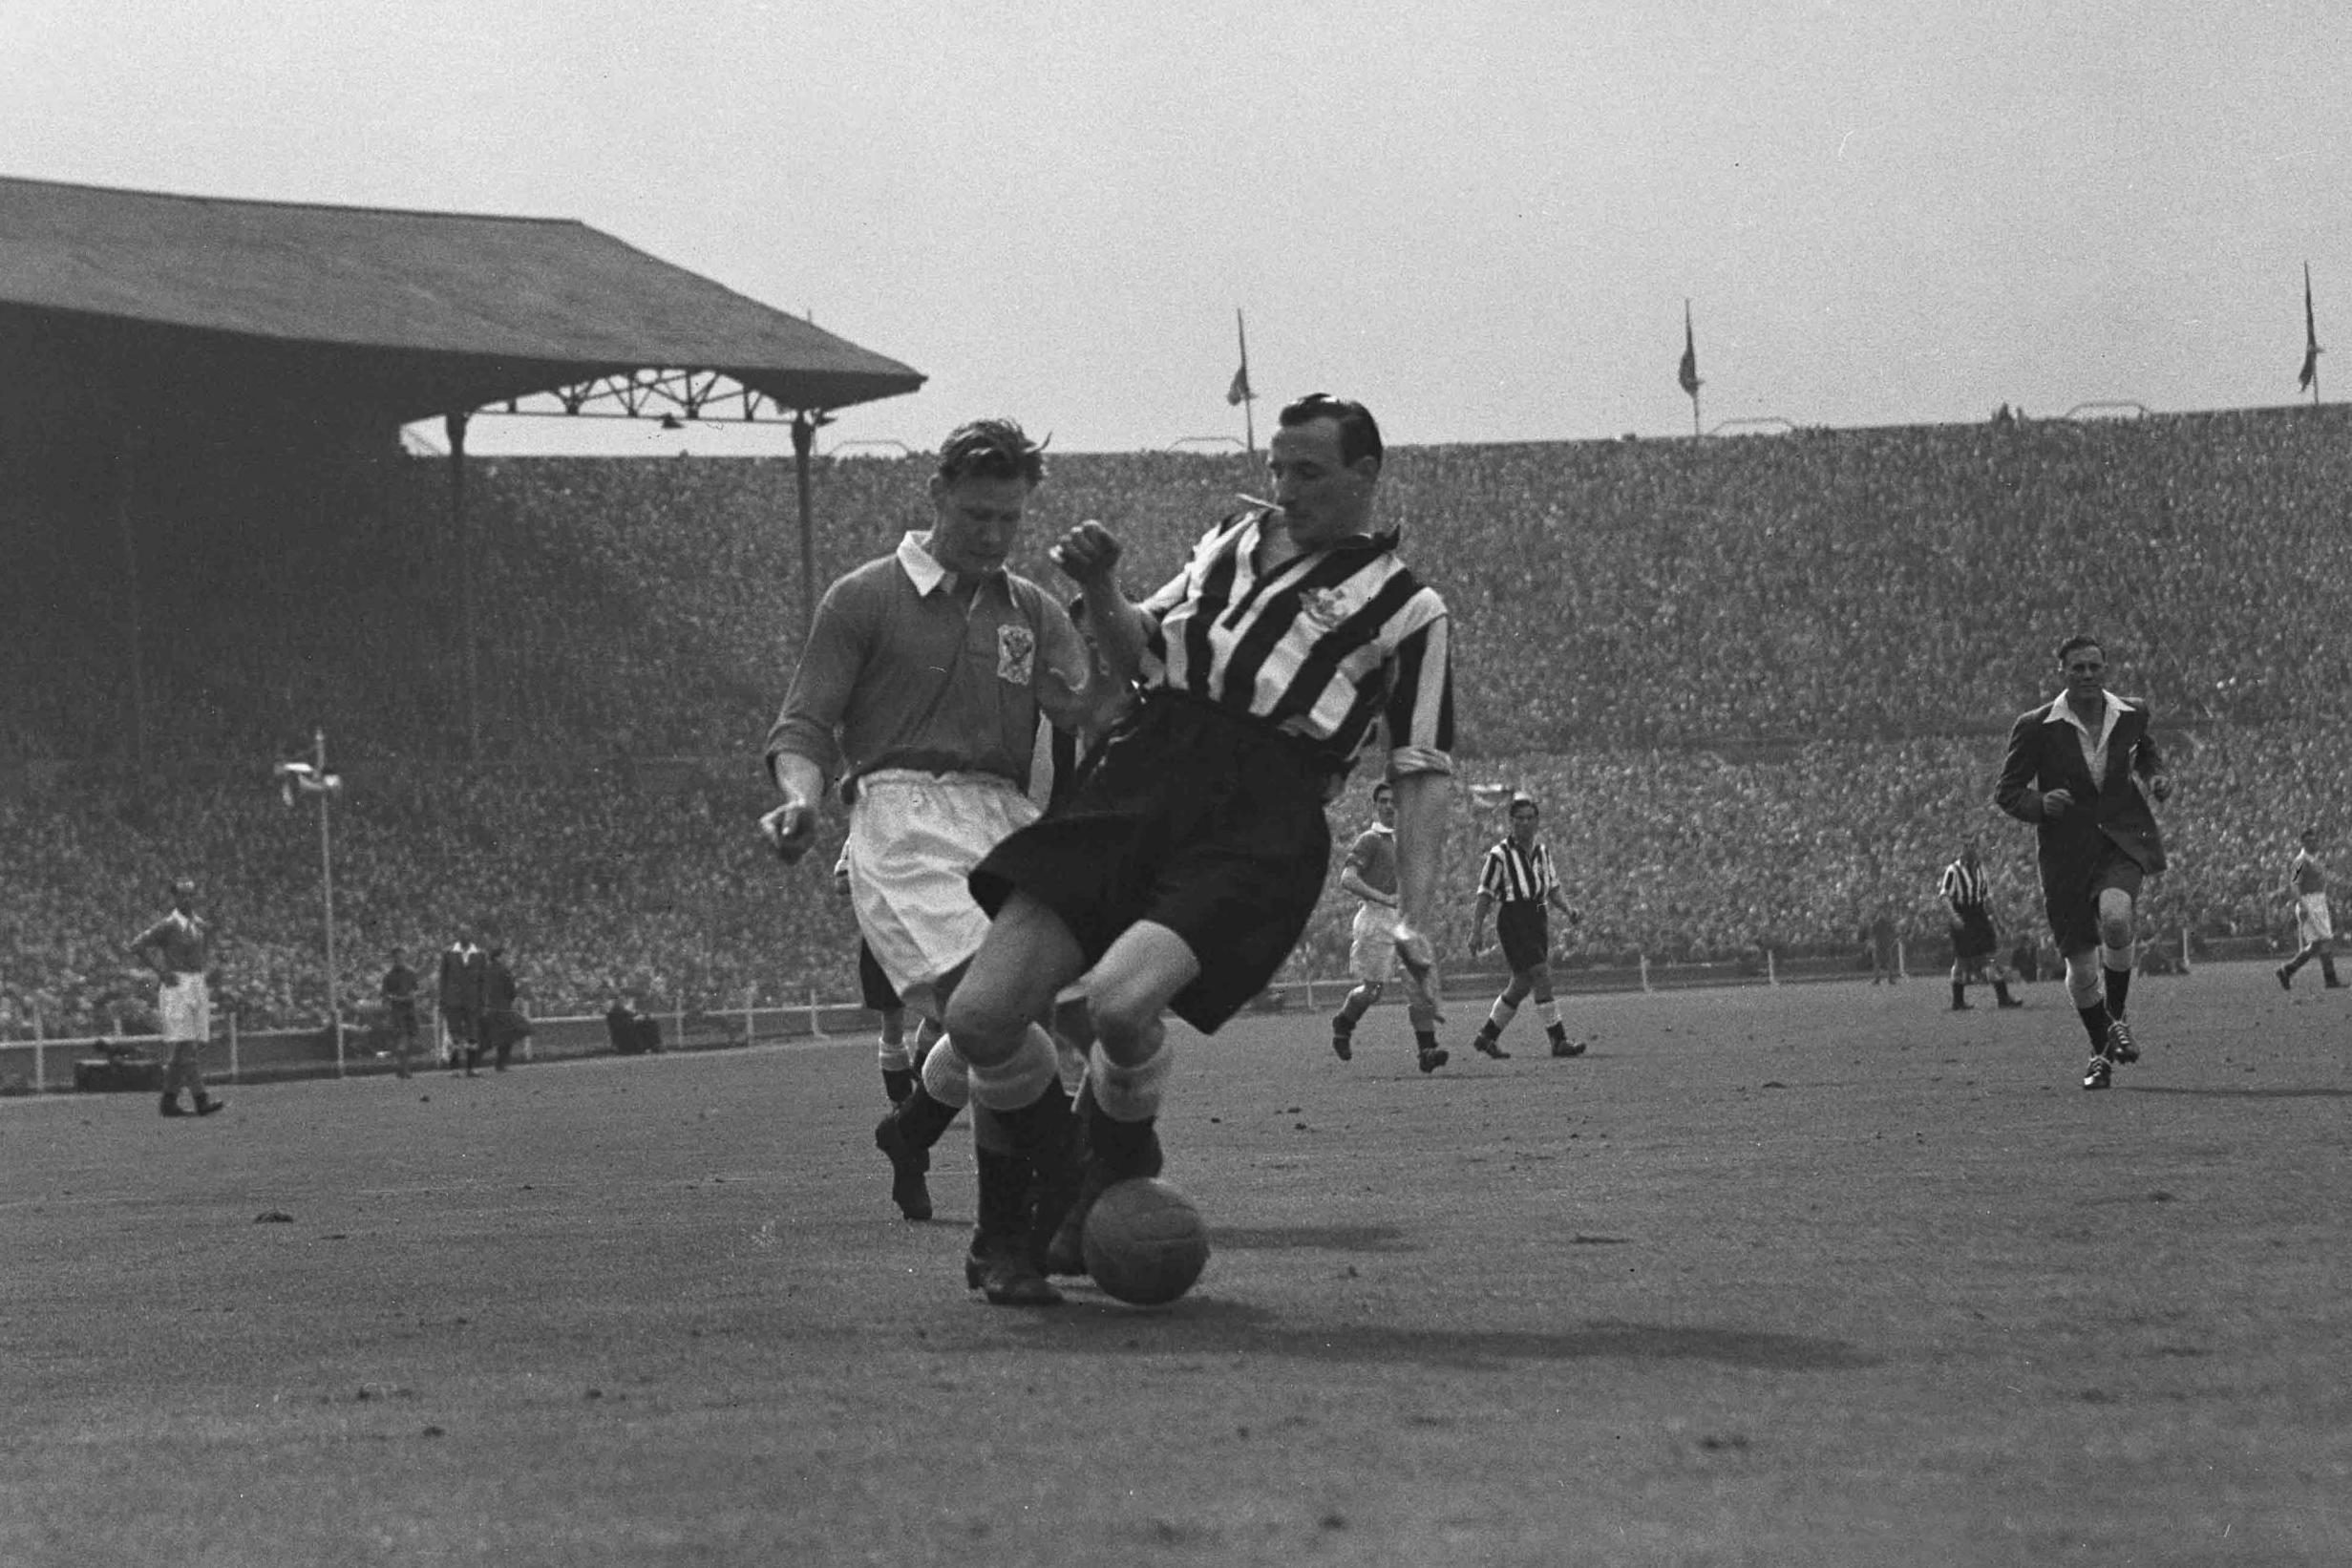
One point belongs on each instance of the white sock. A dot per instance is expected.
(1131, 1093)
(1020, 1078)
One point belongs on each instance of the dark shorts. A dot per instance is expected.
(873, 985)
(1974, 939)
(1524, 928)
(1191, 818)
(461, 1024)
(400, 1017)
(2074, 911)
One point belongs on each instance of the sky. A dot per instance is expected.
(1483, 217)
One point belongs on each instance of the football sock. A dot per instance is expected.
(1020, 1078)
(2115, 966)
(897, 1083)
(1131, 1093)
(1959, 993)
(1548, 1010)
(2000, 991)
(1498, 1018)
(2094, 1025)
(947, 1078)
(922, 1118)
(1424, 1039)
(891, 1053)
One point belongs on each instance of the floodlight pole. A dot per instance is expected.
(455, 425)
(327, 889)
(804, 441)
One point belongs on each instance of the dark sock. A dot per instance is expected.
(2000, 991)
(1004, 1198)
(2094, 1025)
(1122, 1148)
(1959, 992)
(2118, 987)
(897, 1082)
(923, 1119)
(1559, 1033)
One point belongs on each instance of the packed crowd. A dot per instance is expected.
(602, 883)
(1761, 683)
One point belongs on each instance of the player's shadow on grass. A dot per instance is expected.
(1308, 1238)
(1203, 1324)
(2314, 1093)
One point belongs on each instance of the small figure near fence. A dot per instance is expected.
(399, 993)
(2315, 928)
(178, 949)
(633, 1033)
(1975, 946)
(504, 1026)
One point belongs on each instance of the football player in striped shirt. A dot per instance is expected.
(1183, 868)
(1518, 884)
(1975, 946)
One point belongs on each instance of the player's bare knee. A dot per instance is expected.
(985, 1026)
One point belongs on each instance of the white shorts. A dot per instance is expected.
(913, 840)
(2312, 922)
(1371, 945)
(185, 1003)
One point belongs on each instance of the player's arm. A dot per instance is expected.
(1477, 922)
(2021, 768)
(1351, 882)
(2149, 763)
(802, 744)
(1088, 556)
(1559, 902)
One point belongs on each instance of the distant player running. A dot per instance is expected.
(1369, 873)
(1975, 946)
(1519, 883)
(2315, 928)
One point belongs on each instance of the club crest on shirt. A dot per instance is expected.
(1326, 607)
(1016, 654)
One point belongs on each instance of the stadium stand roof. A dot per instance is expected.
(400, 313)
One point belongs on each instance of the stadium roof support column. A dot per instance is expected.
(130, 468)
(804, 440)
(461, 543)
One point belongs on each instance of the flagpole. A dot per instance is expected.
(2310, 341)
(1688, 373)
(327, 892)
(1249, 394)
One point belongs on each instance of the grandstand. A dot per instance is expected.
(1762, 683)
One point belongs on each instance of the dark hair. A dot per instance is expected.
(1382, 786)
(2077, 641)
(992, 449)
(1359, 431)
(1519, 799)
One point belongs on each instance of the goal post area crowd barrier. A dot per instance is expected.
(97, 1063)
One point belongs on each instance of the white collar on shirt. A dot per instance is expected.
(923, 568)
(2062, 711)
(920, 566)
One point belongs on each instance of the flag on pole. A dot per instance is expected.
(1239, 392)
(1688, 373)
(2311, 337)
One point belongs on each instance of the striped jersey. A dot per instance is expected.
(1513, 875)
(1328, 646)
(1965, 887)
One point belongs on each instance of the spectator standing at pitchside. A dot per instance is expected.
(1369, 873)
(922, 684)
(1967, 889)
(178, 949)
(1519, 883)
(2315, 928)
(2084, 770)
(462, 1001)
(399, 993)
(1192, 853)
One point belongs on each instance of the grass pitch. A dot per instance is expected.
(1811, 1275)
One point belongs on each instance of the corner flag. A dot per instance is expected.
(2311, 338)
(1688, 373)
(1239, 392)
